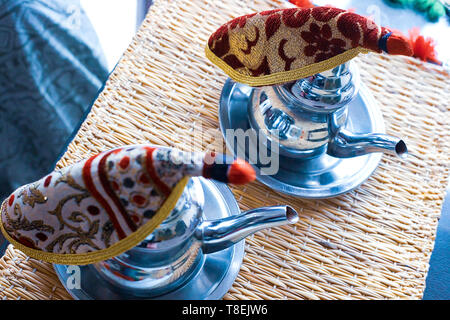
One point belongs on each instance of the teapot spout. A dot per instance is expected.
(346, 144)
(220, 234)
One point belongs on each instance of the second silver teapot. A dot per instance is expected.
(307, 117)
(316, 137)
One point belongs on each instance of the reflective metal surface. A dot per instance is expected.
(164, 260)
(306, 117)
(346, 145)
(328, 90)
(210, 276)
(315, 175)
(297, 115)
(216, 235)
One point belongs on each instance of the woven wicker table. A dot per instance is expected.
(372, 243)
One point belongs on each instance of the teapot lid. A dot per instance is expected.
(282, 45)
(105, 205)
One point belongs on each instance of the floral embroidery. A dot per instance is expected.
(32, 195)
(321, 42)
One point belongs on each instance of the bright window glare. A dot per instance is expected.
(115, 24)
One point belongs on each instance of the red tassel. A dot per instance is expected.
(423, 47)
(302, 3)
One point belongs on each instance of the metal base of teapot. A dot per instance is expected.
(210, 278)
(321, 177)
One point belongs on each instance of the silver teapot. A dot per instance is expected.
(307, 118)
(170, 257)
(316, 137)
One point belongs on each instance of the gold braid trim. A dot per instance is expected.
(285, 76)
(114, 250)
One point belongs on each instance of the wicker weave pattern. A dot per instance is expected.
(371, 243)
(24, 278)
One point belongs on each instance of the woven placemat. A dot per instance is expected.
(372, 243)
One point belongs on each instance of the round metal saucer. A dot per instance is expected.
(210, 280)
(321, 177)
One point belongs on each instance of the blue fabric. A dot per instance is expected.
(51, 68)
(438, 278)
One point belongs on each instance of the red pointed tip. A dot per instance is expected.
(241, 172)
(399, 44)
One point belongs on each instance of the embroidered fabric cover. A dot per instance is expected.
(107, 204)
(277, 46)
